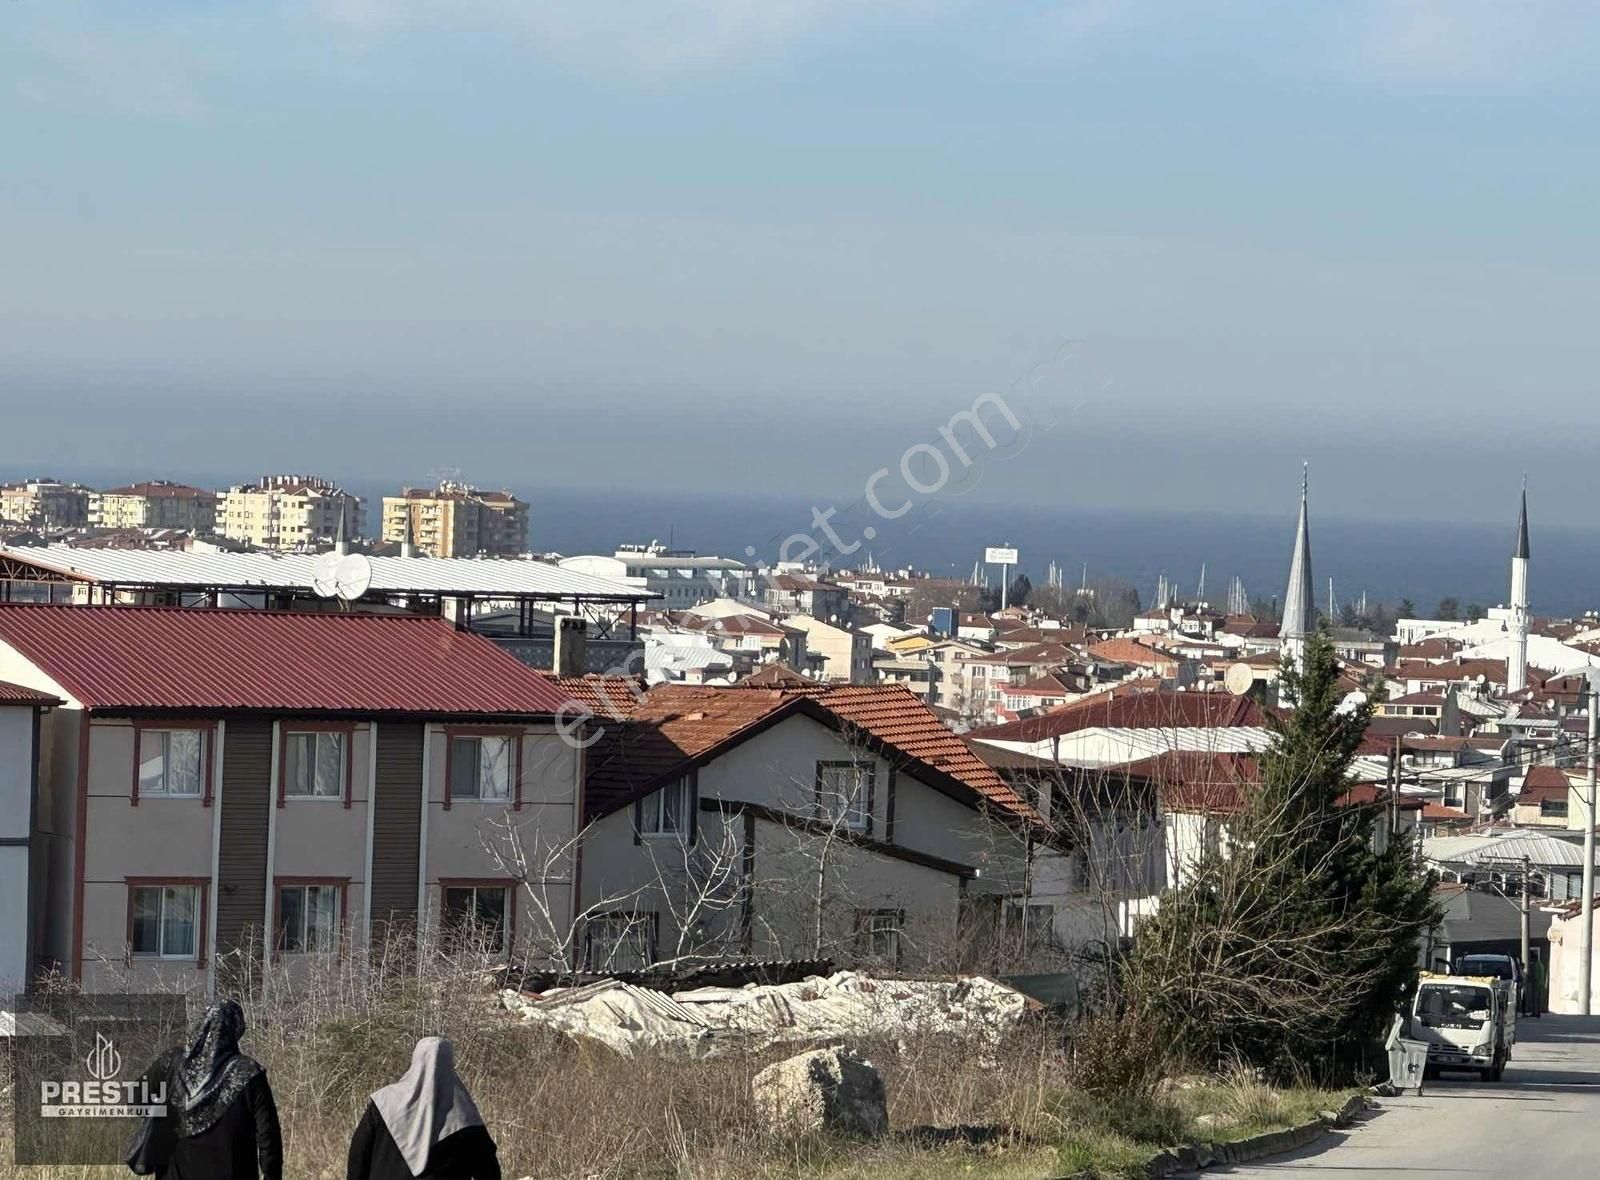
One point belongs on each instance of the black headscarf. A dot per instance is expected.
(213, 1071)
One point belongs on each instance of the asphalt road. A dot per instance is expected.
(1541, 1120)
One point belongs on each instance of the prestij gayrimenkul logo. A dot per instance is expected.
(102, 1096)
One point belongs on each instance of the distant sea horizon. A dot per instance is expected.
(1388, 560)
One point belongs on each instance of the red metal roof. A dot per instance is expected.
(125, 657)
(17, 694)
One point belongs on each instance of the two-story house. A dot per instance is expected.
(221, 787)
(813, 821)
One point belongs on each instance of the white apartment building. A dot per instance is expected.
(682, 578)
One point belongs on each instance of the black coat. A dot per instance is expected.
(243, 1144)
(469, 1154)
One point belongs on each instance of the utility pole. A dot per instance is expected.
(1586, 963)
(1526, 962)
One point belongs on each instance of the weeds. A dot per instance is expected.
(561, 1108)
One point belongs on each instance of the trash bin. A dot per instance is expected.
(1408, 1060)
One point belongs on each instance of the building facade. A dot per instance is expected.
(45, 503)
(682, 579)
(455, 520)
(157, 504)
(289, 512)
(841, 823)
(220, 789)
(21, 711)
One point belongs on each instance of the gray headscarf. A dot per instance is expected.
(213, 1071)
(428, 1104)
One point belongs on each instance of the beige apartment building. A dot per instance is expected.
(289, 512)
(157, 504)
(455, 520)
(45, 503)
(219, 788)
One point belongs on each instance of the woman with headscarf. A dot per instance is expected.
(225, 1121)
(425, 1126)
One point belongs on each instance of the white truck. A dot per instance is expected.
(1468, 1022)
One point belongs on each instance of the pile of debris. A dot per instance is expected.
(631, 1019)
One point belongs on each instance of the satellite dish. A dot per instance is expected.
(325, 575)
(1239, 679)
(352, 576)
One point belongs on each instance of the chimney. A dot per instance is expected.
(571, 646)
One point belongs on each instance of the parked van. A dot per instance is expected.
(1468, 1022)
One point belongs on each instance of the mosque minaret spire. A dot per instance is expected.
(1517, 662)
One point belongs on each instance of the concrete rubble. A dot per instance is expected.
(631, 1019)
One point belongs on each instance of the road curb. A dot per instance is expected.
(1198, 1156)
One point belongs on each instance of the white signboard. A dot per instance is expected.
(993, 556)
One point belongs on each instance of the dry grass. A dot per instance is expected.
(560, 1108)
(563, 1109)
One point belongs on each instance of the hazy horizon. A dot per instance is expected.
(722, 246)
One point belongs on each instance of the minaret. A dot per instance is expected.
(408, 545)
(1299, 610)
(341, 543)
(1517, 664)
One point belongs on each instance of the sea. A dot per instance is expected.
(1387, 560)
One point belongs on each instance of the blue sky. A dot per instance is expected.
(711, 244)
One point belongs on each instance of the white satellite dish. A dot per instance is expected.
(352, 576)
(325, 574)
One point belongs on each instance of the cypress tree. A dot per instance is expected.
(1292, 946)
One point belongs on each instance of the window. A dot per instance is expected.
(171, 763)
(1030, 925)
(165, 922)
(878, 935)
(844, 794)
(619, 942)
(480, 767)
(308, 918)
(477, 912)
(1553, 807)
(669, 811)
(314, 765)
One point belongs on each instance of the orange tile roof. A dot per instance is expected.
(1131, 651)
(777, 674)
(1115, 709)
(1199, 780)
(674, 727)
